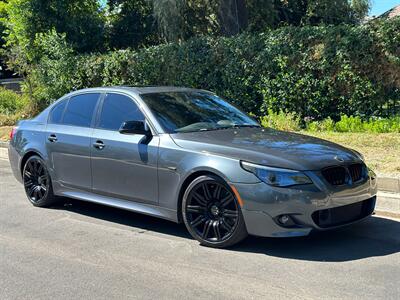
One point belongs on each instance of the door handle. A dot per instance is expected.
(99, 145)
(52, 138)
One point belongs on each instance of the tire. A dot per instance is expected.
(37, 182)
(212, 214)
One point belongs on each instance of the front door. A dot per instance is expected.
(123, 165)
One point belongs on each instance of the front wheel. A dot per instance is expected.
(212, 214)
(37, 182)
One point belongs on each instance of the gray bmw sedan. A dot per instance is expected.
(188, 156)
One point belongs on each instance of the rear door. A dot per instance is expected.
(124, 165)
(68, 139)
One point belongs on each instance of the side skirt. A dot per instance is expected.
(147, 209)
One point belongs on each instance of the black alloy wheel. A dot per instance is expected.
(212, 214)
(37, 182)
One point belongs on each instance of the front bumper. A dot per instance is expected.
(311, 207)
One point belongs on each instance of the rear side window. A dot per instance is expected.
(57, 112)
(80, 110)
(118, 109)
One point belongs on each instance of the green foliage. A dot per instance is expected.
(325, 125)
(52, 74)
(12, 119)
(281, 121)
(328, 71)
(81, 21)
(335, 12)
(315, 72)
(179, 20)
(13, 106)
(356, 124)
(11, 102)
(130, 24)
(349, 124)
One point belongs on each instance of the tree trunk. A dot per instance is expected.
(233, 16)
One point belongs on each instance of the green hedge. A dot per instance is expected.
(292, 122)
(11, 102)
(13, 106)
(315, 72)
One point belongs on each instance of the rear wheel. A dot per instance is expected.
(212, 214)
(37, 182)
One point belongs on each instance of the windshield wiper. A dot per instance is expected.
(222, 128)
(246, 125)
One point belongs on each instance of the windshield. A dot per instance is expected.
(195, 111)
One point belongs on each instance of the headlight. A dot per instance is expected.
(276, 176)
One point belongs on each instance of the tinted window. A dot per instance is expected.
(57, 112)
(80, 110)
(118, 109)
(195, 111)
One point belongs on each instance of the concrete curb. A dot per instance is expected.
(389, 203)
(391, 185)
(3, 144)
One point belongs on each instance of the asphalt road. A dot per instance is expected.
(85, 251)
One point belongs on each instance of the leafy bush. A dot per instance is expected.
(325, 125)
(281, 121)
(383, 125)
(356, 124)
(11, 119)
(11, 102)
(313, 71)
(349, 124)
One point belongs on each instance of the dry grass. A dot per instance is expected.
(381, 151)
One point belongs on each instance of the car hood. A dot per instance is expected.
(269, 147)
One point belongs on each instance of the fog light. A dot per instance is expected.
(284, 219)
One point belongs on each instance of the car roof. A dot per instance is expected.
(140, 90)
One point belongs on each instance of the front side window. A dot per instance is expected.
(57, 112)
(195, 111)
(80, 109)
(118, 109)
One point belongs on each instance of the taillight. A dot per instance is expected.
(13, 132)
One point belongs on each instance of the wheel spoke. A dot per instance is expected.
(230, 213)
(217, 191)
(35, 193)
(43, 178)
(206, 229)
(225, 225)
(39, 169)
(43, 187)
(31, 190)
(30, 168)
(35, 167)
(198, 221)
(206, 191)
(226, 200)
(216, 230)
(28, 183)
(200, 199)
(195, 209)
(28, 174)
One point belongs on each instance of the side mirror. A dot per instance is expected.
(135, 127)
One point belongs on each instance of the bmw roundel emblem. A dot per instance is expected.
(339, 159)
